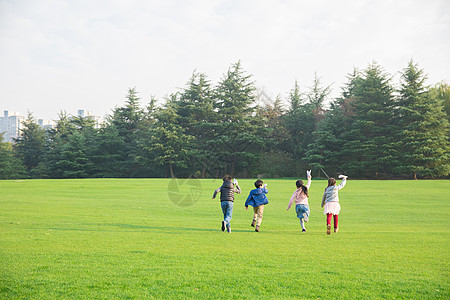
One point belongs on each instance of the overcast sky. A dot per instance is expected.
(85, 54)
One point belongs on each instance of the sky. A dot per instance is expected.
(65, 55)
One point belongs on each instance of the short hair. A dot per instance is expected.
(227, 178)
(258, 183)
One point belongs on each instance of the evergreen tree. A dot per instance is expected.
(169, 144)
(300, 123)
(195, 108)
(10, 166)
(127, 120)
(424, 143)
(370, 143)
(317, 95)
(273, 161)
(72, 159)
(237, 140)
(442, 91)
(326, 151)
(29, 145)
(108, 153)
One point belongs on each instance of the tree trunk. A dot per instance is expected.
(203, 172)
(171, 170)
(415, 176)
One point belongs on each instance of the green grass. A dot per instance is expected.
(124, 238)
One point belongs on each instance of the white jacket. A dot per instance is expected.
(331, 193)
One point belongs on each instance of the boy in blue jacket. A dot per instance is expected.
(257, 198)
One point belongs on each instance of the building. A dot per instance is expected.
(10, 125)
(46, 124)
(98, 121)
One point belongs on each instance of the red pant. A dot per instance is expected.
(335, 220)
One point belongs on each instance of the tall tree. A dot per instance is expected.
(296, 98)
(71, 148)
(29, 145)
(108, 153)
(370, 143)
(318, 94)
(237, 140)
(442, 91)
(195, 108)
(126, 120)
(10, 166)
(300, 123)
(424, 143)
(169, 144)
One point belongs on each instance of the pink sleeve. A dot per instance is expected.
(291, 200)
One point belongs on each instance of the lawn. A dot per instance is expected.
(142, 238)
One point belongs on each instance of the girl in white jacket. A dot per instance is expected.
(330, 202)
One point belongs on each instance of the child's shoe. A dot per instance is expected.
(253, 223)
(305, 217)
(303, 230)
(223, 225)
(257, 228)
(336, 230)
(328, 229)
(229, 229)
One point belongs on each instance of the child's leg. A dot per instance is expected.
(329, 219)
(224, 206)
(228, 212)
(335, 221)
(255, 213)
(302, 223)
(329, 223)
(260, 212)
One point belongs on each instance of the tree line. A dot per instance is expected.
(372, 130)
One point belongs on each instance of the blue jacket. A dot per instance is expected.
(257, 197)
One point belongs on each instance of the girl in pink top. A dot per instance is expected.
(300, 197)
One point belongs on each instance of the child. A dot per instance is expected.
(330, 202)
(257, 198)
(227, 191)
(300, 196)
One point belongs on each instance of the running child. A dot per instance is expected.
(227, 191)
(257, 198)
(330, 202)
(300, 197)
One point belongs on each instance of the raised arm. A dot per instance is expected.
(309, 182)
(342, 184)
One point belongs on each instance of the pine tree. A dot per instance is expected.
(195, 108)
(30, 145)
(370, 141)
(169, 144)
(126, 120)
(10, 166)
(237, 141)
(424, 143)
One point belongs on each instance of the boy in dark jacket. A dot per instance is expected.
(227, 191)
(257, 198)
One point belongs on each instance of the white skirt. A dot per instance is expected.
(331, 208)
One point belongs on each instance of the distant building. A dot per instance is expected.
(10, 125)
(98, 121)
(46, 124)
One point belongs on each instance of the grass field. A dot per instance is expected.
(131, 238)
